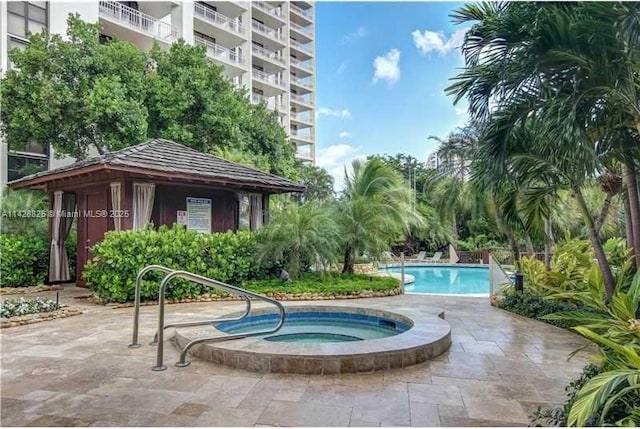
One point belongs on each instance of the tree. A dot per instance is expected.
(300, 235)
(533, 70)
(77, 94)
(375, 210)
(318, 183)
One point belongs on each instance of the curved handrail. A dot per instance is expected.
(206, 322)
(136, 314)
(216, 284)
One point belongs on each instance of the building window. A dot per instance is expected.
(205, 37)
(20, 165)
(26, 17)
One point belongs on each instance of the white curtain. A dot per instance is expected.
(255, 201)
(54, 251)
(64, 207)
(143, 197)
(116, 192)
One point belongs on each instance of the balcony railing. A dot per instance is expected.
(271, 103)
(263, 29)
(304, 154)
(137, 20)
(301, 136)
(305, 65)
(307, 83)
(219, 52)
(268, 8)
(217, 18)
(303, 117)
(270, 78)
(305, 48)
(305, 30)
(274, 56)
(307, 13)
(301, 99)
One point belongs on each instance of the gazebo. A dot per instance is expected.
(159, 181)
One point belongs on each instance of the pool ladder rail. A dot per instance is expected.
(158, 340)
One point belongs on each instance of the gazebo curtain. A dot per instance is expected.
(116, 205)
(255, 204)
(64, 205)
(143, 197)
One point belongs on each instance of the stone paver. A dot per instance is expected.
(79, 372)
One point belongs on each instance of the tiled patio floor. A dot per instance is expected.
(78, 371)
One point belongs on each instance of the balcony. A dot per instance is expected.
(297, 135)
(305, 83)
(270, 103)
(267, 54)
(273, 11)
(308, 31)
(272, 79)
(304, 65)
(302, 99)
(307, 13)
(305, 155)
(308, 48)
(219, 52)
(136, 20)
(267, 31)
(305, 117)
(218, 19)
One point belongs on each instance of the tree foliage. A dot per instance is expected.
(77, 93)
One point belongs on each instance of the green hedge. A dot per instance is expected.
(535, 306)
(334, 284)
(227, 257)
(23, 260)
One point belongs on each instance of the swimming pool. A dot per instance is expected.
(319, 327)
(447, 280)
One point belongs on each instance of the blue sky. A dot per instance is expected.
(381, 72)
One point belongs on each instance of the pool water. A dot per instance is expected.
(447, 280)
(318, 327)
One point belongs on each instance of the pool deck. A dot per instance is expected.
(79, 372)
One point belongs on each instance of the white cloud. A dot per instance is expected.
(358, 34)
(461, 110)
(334, 159)
(344, 134)
(344, 113)
(428, 41)
(386, 67)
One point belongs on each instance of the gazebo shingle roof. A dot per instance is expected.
(169, 159)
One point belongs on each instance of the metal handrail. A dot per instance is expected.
(216, 284)
(220, 19)
(136, 314)
(138, 20)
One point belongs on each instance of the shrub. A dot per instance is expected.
(23, 260)
(299, 236)
(535, 306)
(332, 284)
(227, 257)
(558, 416)
(20, 307)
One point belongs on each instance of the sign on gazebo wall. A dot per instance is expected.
(199, 214)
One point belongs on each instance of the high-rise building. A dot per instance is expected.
(266, 47)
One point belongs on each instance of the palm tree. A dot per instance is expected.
(298, 235)
(376, 209)
(535, 67)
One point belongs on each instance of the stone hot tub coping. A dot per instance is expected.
(428, 337)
